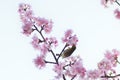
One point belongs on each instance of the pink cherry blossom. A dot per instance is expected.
(45, 24)
(59, 70)
(25, 10)
(112, 1)
(27, 29)
(93, 74)
(112, 56)
(105, 2)
(69, 38)
(40, 21)
(72, 40)
(117, 13)
(68, 33)
(78, 69)
(25, 15)
(35, 42)
(116, 53)
(48, 27)
(108, 55)
(73, 59)
(104, 65)
(39, 61)
(44, 48)
(52, 41)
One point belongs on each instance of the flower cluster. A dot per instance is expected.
(69, 38)
(116, 11)
(39, 61)
(105, 2)
(70, 66)
(29, 20)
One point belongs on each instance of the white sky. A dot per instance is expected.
(97, 28)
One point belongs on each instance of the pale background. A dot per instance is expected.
(97, 28)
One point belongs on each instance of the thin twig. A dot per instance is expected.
(73, 77)
(117, 2)
(40, 32)
(117, 61)
(50, 62)
(54, 56)
(68, 65)
(61, 52)
(106, 76)
(64, 77)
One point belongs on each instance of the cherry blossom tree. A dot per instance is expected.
(70, 66)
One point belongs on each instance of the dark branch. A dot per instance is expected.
(54, 56)
(68, 65)
(106, 76)
(73, 77)
(64, 77)
(61, 52)
(50, 62)
(40, 32)
(117, 2)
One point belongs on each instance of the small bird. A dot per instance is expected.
(68, 52)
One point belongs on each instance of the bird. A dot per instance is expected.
(68, 52)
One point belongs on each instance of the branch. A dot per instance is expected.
(73, 77)
(106, 76)
(117, 2)
(40, 32)
(118, 61)
(64, 77)
(50, 62)
(61, 52)
(68, 65)
(54, 56)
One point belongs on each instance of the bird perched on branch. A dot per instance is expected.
(68, 52)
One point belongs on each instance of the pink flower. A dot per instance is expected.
(69, 38)
(73, 59)
(116, 53)
(112, 1)
(26, 15)
(112, 56)
(93, 74)
(68, 33)
(39, 61)
(104, 65)
(25, 10)
(117, 13)
(48, 27)
(44, 23)
(44, 48)
(78, 69)
(104, 2)
(35, 42)
(40, 21)
(108, 55)
(27, 29)
(59, 70)
(52, 41)
(72, 40)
